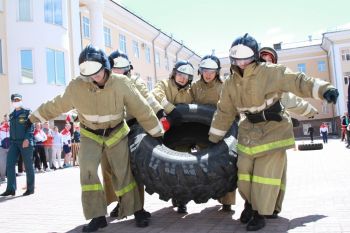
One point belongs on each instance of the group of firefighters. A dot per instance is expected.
(106, 97)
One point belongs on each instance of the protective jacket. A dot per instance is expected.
(297, 105)
(102, 108)
(261, 86)
(168, 94)
(206, 93)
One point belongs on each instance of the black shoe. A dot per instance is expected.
(115, 212)
(95, 224)
(181, 209)
(257, 222)
(28, 192)
(141, 218)
(8, 193)
(247, 213)
(226, 208)
(274, 215)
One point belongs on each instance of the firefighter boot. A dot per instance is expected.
(142, 218)
(257, 222)
(247, 213)
(95, 224)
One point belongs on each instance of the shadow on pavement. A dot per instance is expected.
(168, 220)
(300, 222)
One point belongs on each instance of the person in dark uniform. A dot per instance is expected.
(21, 142)
(310, 130)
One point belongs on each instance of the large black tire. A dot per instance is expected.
(208, 173)
(311, 146)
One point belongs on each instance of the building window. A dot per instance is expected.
(27, 66)
(122, 43)
(302, 67)
(149, 83)
(346, 80)
(148, 54)
(107, 36)
(1, 68)
(55, 67)
(321, 66)
(24, 10)
(157, 59)
(86, 27)
(167, 63)
(53, 11)
(345, 55)
(135, 49)
(1, 5)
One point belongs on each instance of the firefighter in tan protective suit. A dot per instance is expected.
(175, 90)
(100, 99)
(121, 65)
(265, 133)
(207, 91)
(294, 104)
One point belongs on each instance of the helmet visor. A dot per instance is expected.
(121, 62)
(208, 64)
(241, 52)
(186, 69)
(207, 71)
(89, 68)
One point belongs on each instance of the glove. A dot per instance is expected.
(174, 117)
(165, 123)
(160, 114)
(331, 95)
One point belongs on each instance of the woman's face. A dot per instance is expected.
(181, 79)
(99, 77)
(208, 75)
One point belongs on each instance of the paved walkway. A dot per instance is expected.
(317, 200)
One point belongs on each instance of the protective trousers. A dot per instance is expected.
(108, 183)
(260, 179)
(282, 191)
(15, 150)
(93, 196)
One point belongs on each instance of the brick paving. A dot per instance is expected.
(317, 200)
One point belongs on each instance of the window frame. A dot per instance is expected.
(32, 64)
(30, 11)
(135, 49)
(148, 54)
(321, 66)
(301, 67)
(86, 27)
(56, 82)
(53, 13)
(122, 43)
(107, 36)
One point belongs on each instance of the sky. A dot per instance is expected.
(204, 25)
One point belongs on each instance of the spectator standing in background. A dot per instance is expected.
(57, 146)
(324, 132)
